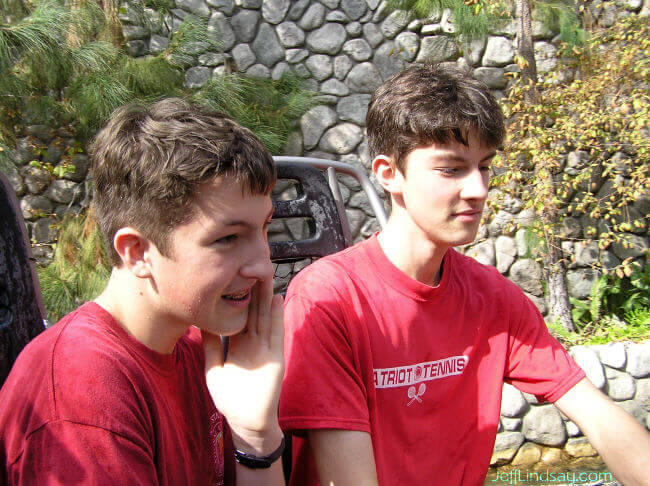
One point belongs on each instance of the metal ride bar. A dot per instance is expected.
(332, 166)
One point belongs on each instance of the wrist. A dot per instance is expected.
(256, 443)
(253, 461)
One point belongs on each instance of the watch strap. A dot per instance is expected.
(257, 462)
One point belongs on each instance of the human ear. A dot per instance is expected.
(387, 174)
(133, 249)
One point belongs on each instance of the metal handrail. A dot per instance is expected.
(344, 168)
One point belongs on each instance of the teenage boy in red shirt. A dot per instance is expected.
(133, 388)
(397, 348)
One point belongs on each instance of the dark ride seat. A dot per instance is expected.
(21, 305)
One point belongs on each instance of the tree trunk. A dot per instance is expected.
(558, 294)
(115, 26)
(525, 43)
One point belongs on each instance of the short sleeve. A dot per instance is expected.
(64, 452)
(323, 387)
(537, 363)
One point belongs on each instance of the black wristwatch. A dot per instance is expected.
(255, 462)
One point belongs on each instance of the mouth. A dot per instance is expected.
(239, 296)
(472, 212)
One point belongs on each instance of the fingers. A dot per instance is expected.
(212, 347)
(251, 322)
(264, 310)
(277, 323)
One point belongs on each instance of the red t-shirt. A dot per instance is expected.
(420, 368)
(86, 403)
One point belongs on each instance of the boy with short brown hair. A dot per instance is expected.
(133, 387)
(397, 348)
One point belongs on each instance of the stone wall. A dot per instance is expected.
(530, 433)
(344, 49)
(45, 199)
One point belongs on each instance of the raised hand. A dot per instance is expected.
(246, 387)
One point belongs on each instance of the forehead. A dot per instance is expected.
(475, 150)
(224, 200)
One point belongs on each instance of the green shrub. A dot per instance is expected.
(613, 295)
(268, 108)
(60, 66)
(617, 309)
(79, 270)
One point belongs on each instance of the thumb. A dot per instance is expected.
(213, 349)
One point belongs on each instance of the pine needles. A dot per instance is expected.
(561, 17)
(63, 64)
(79, 270)
(268, 108)
(56, 69)
(473, 19)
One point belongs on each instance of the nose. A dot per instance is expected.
(258, 260)
(475, 184)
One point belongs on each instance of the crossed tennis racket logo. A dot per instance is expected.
(416, 396)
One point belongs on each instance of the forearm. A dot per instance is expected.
(621, 441)
(623, 444)
(272, 476)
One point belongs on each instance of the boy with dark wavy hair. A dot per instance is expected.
(132, 388)
(397, 348)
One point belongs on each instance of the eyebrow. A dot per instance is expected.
(458, 158)
(246, 224)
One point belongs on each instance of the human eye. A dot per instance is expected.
(486, 164)
(225, 240)
(447, 171)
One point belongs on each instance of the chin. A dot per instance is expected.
(228, 327)
(465, 241)
(456, 240)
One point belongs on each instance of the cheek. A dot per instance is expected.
(428, 196)
(203, 279)
(218, 275)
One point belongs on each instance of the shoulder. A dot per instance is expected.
(479, 277)
(67, 346)
(330, 273)
(336, 264)
(89, 347)
(77, 370)
(321, 297)
(486, 288)
(467, 266)
(67, 373)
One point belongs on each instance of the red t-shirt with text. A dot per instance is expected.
(420, 368)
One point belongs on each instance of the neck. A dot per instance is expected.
(126, 298)
(408, 248)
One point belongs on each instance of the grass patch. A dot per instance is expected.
(634, 326)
